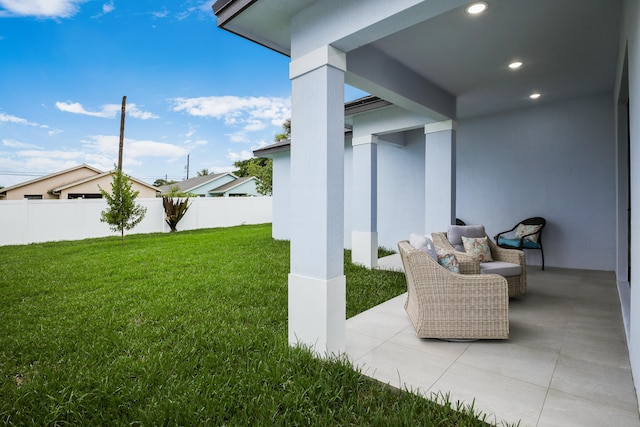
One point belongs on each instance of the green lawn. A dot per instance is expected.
(186, 328)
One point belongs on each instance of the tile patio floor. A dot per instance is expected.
(565, 364)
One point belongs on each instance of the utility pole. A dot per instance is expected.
(187, 167)
(124, 103)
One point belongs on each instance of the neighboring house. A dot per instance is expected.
(463, 135)
(216, 185)
(80, 182)
(244, 186)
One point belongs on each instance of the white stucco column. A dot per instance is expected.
(317, 301)
(364, 237)
(440, 175)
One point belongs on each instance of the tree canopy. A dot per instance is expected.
(261, 167)
(160, 182)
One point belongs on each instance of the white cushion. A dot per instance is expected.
(423, 243)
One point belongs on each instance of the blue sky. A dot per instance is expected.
(192, 88)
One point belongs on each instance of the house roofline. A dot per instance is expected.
(366, 103)
(226, 10)
(231, 185)
(58, 190)
(45, 177)
(165, 188)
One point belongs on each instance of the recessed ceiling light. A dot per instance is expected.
(535, 95)
(476, 8)
(515, 65)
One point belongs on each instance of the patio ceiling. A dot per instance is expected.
(569, 48)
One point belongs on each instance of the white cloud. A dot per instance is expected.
(7, 118)
(108, 8)
(107, 145)
(160, 14)
(11, 143)
(106, 111)
(138, 114)
(238, 137)
(252, 113)
(202, 8)
(242, 155)
(40, 8)
(52, 154)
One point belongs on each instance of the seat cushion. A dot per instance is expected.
(515, 243)
(455, 233)
(505, 269)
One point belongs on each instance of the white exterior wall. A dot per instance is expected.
(281, 196)
(52, 220)
(556, 161)
(563, 170)
(400, 190)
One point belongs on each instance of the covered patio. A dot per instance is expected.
(528, 109)
(565, 363)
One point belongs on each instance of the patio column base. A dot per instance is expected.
(364, 248)
(317, 313)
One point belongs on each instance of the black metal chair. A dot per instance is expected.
(526, 234)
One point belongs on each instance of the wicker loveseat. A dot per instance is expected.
(447, 305)
(501, 257)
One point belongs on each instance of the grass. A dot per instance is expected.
(185, 328)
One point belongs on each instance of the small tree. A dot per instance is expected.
(176, 204)
(123, 213)
(264, 174)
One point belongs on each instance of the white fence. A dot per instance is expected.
(31, 221)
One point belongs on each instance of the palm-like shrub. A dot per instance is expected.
(176, 204)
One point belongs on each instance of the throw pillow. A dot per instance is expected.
(448, 260)
(523, 230)
(418, 241)
(477, 246)
(423, 243)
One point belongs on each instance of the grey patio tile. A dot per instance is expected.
(530, 364)
(357, 344)
(447, 350)
(403, 368)
(611, 351)
(565, 410)
(498, 396)
(596, 382)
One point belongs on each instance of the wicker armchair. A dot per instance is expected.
(517, 284)
(446, 305)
